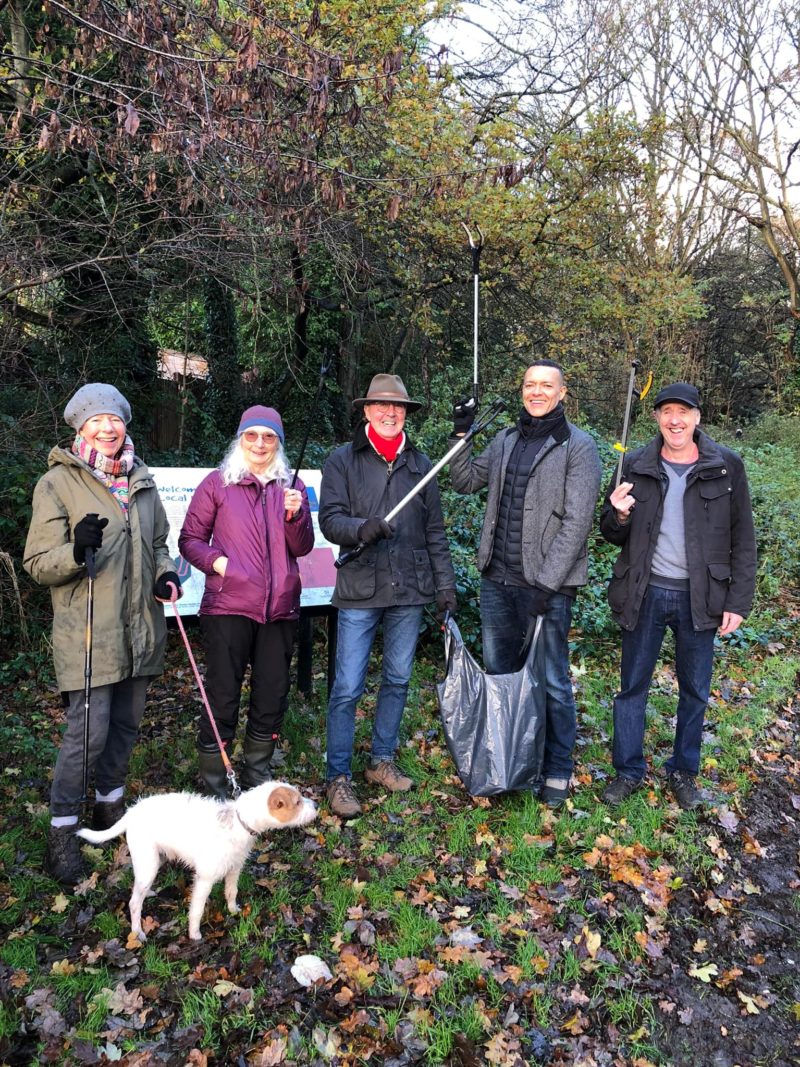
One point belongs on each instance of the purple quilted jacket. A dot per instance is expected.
(246, 522)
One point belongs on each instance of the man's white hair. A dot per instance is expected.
(233, 467)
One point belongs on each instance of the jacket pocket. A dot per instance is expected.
(424, 573)
(356, 581)
(719, 580)
(619, 586)
(551, 528)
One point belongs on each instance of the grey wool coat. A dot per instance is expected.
(562, 491)
(130, 632)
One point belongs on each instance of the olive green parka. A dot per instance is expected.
(129, 632)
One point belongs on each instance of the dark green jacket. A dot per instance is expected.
(129, 631)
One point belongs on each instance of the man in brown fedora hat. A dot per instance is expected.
(404, 567)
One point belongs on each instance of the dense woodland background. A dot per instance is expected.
(270, 186)
(266, 187)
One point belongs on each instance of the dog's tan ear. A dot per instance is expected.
(283, 802)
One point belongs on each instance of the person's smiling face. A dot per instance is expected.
(677, 423)
(542, 389)
(105, 434)
(386, 419)
(258, 443)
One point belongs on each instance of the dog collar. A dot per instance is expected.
(252, 833)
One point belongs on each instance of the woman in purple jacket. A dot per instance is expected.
(244, 530)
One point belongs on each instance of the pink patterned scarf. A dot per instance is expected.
(113, 473)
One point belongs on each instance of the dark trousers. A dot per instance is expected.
(231, 643)
(694, 660)
(505, 614)
(115, 712)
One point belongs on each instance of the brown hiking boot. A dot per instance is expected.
(342, 797)
(388, 774)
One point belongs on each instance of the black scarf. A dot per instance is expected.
(531, 427)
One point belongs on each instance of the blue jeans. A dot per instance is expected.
(355, 636)
(504, 621)
(694, 654)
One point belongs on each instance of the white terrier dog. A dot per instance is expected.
(213, 837)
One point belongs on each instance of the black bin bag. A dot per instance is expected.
(494, 724)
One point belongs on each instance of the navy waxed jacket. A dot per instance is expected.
(412, 566)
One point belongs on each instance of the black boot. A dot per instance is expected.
(212, 771)
(106, 814)
(63, 860)
(257, 762)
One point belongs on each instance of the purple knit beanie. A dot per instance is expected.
(258, 415)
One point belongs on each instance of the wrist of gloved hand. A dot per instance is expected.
(373, 530)
(463, 415)
(161, 589)
(88, 533)
(446, 601)
(539, 601)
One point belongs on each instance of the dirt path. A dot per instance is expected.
(744, 922)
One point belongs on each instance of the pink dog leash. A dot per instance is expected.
(230, 774)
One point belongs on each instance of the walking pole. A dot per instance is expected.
(87, 665)
(621, 446)
(323, 373)
(476, 246)
(486, 419)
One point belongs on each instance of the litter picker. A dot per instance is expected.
(480, 424)
(622, 445)
(476, 247)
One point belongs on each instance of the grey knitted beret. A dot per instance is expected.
(96, 399)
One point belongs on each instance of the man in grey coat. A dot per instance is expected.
(543, 477)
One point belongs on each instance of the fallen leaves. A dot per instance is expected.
(704, 972)
(629, 864)
(60, 904)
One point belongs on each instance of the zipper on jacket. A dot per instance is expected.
(266, 546)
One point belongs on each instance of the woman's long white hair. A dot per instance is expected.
(233, 467)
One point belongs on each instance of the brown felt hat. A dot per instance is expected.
(387, 389)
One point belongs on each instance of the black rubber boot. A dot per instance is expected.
(105, 815)
(257, 762)
(212, 772)
(63, 860)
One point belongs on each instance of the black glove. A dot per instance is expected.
(88, 533)
(464, 414)
(539, 601)
(445, 601)
(161, 589)
(373, 530)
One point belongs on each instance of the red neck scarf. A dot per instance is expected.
(390, 448)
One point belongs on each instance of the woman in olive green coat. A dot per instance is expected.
(98, 495)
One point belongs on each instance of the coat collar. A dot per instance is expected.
(361, 444)
(710, 457)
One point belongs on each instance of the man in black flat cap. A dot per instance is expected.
(682, 518)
